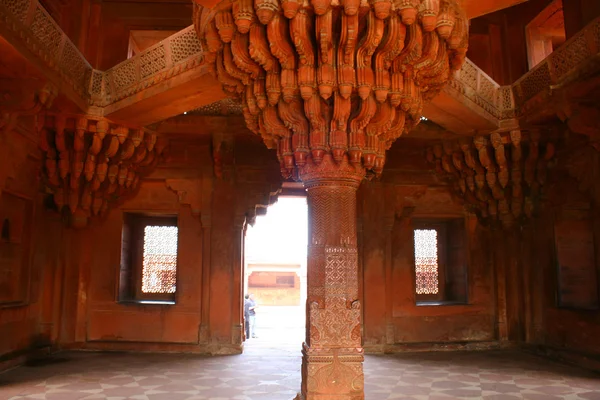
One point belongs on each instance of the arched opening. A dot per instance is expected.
(275, 274)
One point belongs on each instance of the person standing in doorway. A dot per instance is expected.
(252, 315)
(247, 303)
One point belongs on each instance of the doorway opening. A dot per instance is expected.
(275, 258)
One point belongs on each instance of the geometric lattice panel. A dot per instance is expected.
(426, 261)
(159, 270)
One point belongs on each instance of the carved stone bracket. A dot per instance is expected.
(322, 78)
(500, 176)
(93, 163)
(189, 192)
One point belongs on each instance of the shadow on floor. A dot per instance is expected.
(444, 375)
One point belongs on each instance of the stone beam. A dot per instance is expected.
(165, 80)
(169, 98)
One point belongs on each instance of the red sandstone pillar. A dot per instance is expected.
(332, 353)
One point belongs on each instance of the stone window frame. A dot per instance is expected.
(447, 271)
(131, 264)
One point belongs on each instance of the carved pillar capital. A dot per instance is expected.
(329, 172)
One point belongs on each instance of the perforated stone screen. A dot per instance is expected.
(426, 261)
(159, 271)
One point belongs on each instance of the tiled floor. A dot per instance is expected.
(265, 374)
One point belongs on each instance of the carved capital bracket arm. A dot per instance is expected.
(91, 163)
(500, 176)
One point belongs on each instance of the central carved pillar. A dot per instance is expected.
(330, 85)
(332, 353)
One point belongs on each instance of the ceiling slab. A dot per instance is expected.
(477, 8)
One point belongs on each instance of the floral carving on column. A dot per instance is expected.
(330, 86)
(90, 164)
(500, 176)
(333, 356)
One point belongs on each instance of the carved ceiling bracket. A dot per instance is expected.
(91, 164)
(258, 198)
(20, 97)
(343, 79)
(499, 176)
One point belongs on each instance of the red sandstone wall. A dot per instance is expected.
(30, 264)
(207, 316)
(408, 191)
(551, 324)
(94, 318)
(498, 41)
(391, 316)
(108, 320)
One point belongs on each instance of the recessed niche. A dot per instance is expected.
(15, 232)
(5, 233)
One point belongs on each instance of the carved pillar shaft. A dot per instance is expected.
(332, 354)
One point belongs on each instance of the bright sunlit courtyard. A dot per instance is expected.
(275, 273)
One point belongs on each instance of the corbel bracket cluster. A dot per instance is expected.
(332, 79)
(91, 164)
(499, 176)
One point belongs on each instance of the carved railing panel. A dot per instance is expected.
(559, 65)
(31, 24)
(173, 56)
(482, 90)
(41, 35)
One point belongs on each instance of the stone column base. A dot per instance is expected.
(332, 374)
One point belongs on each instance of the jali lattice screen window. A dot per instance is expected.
(159, 269)
(426, 261)
(148, 258)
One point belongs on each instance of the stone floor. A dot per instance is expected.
(269, 369)
(263, 373)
